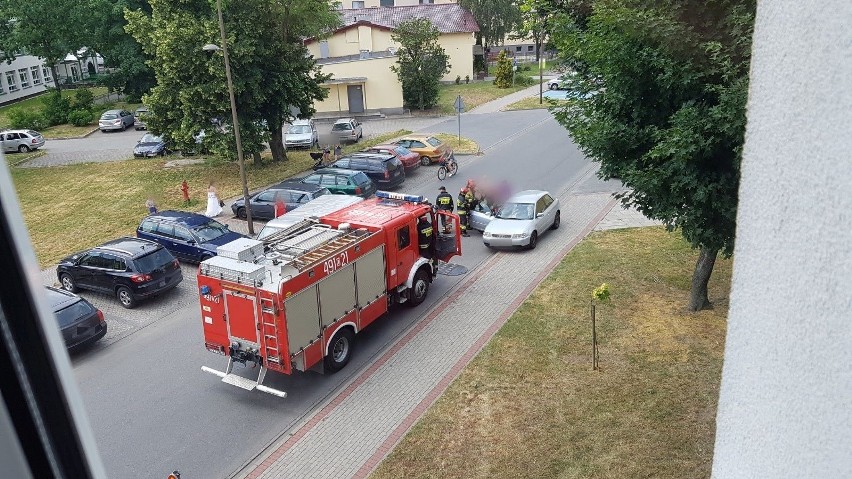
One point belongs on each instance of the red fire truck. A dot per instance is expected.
(296, 299)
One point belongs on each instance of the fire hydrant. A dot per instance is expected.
(184, 188)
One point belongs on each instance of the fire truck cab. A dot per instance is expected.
(297, 299)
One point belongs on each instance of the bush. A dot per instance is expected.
(458, 79)
(503, 73)
(81, 117)
(56, 108)
(23, 119)
(84, 99)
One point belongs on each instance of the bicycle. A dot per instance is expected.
(448, 167)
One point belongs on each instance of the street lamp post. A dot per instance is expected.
(240, 160)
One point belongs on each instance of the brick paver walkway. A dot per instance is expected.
(355, 431)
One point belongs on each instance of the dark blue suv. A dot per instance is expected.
(188, 236)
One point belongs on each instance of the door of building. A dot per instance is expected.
(356, 98)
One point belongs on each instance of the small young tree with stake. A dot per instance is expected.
(421, 62)
(599, 295)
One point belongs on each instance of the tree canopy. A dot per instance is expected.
(659, 100)
(45, 28)
(421, 62)
(271, 69)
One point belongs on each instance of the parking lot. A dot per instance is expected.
(117, 146)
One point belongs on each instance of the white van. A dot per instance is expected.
(317, 207)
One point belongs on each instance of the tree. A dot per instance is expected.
(44, 28)
(503, 74)
(533, 22)
(106, 26)
(496, 19)
(271, 69)
(660, 103)
(421, 62)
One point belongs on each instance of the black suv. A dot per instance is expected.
(130, 268)
(384, 169)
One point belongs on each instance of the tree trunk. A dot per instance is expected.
(276, 142)
(703, 269)
(56, 82)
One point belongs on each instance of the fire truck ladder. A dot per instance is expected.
(328, 249)
(273, 354)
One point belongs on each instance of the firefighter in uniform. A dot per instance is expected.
(444, 202)
(462, 211)
(425, 237)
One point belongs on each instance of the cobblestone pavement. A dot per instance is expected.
(401, 385)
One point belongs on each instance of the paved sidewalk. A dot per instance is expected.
(500, 103)
(354, 432)
(619, 217)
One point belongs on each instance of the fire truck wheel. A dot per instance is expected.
(340, 350)
(419, 288)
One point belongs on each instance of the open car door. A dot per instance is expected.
(447, 235)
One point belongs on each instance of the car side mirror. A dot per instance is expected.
(539, 215)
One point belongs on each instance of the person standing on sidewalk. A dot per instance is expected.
(444, 202)
(214, 204)
(152, 207)
(338, 152)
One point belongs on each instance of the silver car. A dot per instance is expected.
(522, 219)
(139, 118)
(301, 134)
(20, 140)
(116, 120)
(347, 129)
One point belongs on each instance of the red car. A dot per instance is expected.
(410, 160)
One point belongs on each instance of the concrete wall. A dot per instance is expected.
(35, 80)
(382, 90)
(785, 408)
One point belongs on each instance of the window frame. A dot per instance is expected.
(35, 75)
(24, 75)
(12, 81)
(403, 238)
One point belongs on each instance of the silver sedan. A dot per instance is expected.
(522, 219)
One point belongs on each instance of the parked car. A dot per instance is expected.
(139, 118)
(302, 134)
(150, 145)
(347, 129)
(384, 169)
(315, 208)
(188, 236)
(430, 149)
(561, 83)
(79, 322)
(20, 140)
(130, 268)
(342, 182)
(112, 120)
(521, 220)
(410, 160)
(292, 193)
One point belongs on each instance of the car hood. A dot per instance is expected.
(224, 239)
(507, 227)
(148, 147)
(298, 136)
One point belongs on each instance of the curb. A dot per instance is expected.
(72, 137)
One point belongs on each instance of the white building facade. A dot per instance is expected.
(24, 77)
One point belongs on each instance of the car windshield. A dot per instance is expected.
(153, 261)
(433, 141)
(402, 151)
(210, 231)
(67, 316)
(109, 116)
(299, 130)
(33, 133)
(361, 178)
(322, 192)
(268, 231)
(516, 211)
(341, 126)
(149, 138)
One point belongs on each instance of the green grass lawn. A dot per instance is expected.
(69, 208)
(473, 95)
(532, 103)
(529, 404)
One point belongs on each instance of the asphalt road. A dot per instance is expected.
(153, 410)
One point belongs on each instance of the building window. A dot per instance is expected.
(386, 3)
(36, 75)
(357, 4)
(530, 48)
(517, 49)
(427, 2)
(25, 77)
(11, 80)
(46, 73)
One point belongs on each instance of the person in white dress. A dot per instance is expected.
(214, 206)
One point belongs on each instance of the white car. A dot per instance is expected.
(347, 129)
(301, 134)
(20, 140)
(522, 219)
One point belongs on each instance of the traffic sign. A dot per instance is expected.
(459, 104)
